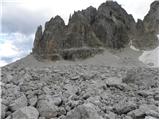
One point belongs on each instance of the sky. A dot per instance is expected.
(19, 20)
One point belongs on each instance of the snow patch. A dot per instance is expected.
(133, 47)
(151, 58)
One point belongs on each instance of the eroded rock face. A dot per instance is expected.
(112, 25)
(109, 26)
(146, 31)
(151, 20)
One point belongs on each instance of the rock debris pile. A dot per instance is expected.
(79, 91)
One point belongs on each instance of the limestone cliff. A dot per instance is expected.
(91, 30)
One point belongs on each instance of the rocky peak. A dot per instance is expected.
(140, 26)
(89, 30)
(151, 20)
(38, 37)
(56, 22)
(90, 14)
(147, 29)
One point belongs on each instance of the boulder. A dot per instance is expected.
(143, 111)
(47, 108)
(19, 103)
(33, 101)
(85, 111)
(137, 114)
(26, 113)
(3, 111)
(124, 107)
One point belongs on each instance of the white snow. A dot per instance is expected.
(133, 47)
(151, 58)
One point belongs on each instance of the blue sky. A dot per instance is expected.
(20, 18)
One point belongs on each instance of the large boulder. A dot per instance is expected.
(47, 107)
(85, 111)
(26, 113)
(18, 103)
(3, 111)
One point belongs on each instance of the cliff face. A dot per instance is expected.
(90, 30)
(146, 31)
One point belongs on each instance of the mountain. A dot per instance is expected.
(91, 30)
(87, 32)
(120, 83)
(147, 29)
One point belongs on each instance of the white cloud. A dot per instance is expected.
(3, 63)
(14, 46)
(51, 8)
(138, 8)
(7, 49)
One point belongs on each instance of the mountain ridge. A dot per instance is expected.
(109, 26)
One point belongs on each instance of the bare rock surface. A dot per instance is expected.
(57, 81)
(18, 103)
(88, 32)
(26, 113)
(81, 91)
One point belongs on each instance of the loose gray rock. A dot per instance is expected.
(152, 113)
(33, 101)
(19, 103)
(47, 108)
(26, 113)
(124, 107)
(85, 111)
(3, 110)
(137, 114)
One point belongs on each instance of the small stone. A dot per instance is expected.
(137, 114)
(110, 115)
(75, 77)
(144, 93)
(33, 101)
(19, 103)
(41, 118)
(8, 113)
(26, 113)
(57, 100)
(3, 111)
(86, 96)
(152, 113)
(128, 117)
(61, 111)
(62, 117)
(124, 107)
(156, 97)
(117, 83)
(146, 107)
(150, 117)
(46, 90)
